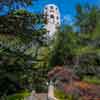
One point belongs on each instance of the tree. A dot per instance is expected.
(19, 53)
(88, 51)
(20, 21)
(8, 6)
(87, 18)
(15, 71)
(79, 49)
(11, 1)
(63, 47)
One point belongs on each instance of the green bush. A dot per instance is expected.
(18, 96)
(62, 96)
(93, 80)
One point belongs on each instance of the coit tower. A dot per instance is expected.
(52, 18)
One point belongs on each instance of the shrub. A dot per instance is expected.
(18, 96)
(93, 80)
(62, 96)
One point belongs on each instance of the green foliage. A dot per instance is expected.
(41, 70)
(92, 80)
(10, 2)
(63, 46)
(18, 96)
(62, 96)
(88, 50)
(15, 71)
(25, 57)
(19, 54)
(80, 49)
(22, 24)
(87, 18)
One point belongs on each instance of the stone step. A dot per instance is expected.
(39, 96)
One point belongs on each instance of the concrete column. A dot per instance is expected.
(51, 91)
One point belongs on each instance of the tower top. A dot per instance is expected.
(50, 8)
(52, 17)
(51, 5)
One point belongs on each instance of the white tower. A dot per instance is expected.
(52, 17)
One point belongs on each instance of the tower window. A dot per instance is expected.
(51, 16)
(57, 17)
(51, 7)
(46, 8)
(58, 23)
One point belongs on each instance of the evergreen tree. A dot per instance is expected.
(88, 51)
(62, 50)
(19, 53)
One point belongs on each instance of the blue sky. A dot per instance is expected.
(67, 7)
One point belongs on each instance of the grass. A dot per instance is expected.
(92, 80)
(18, 96)
(60, 95)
